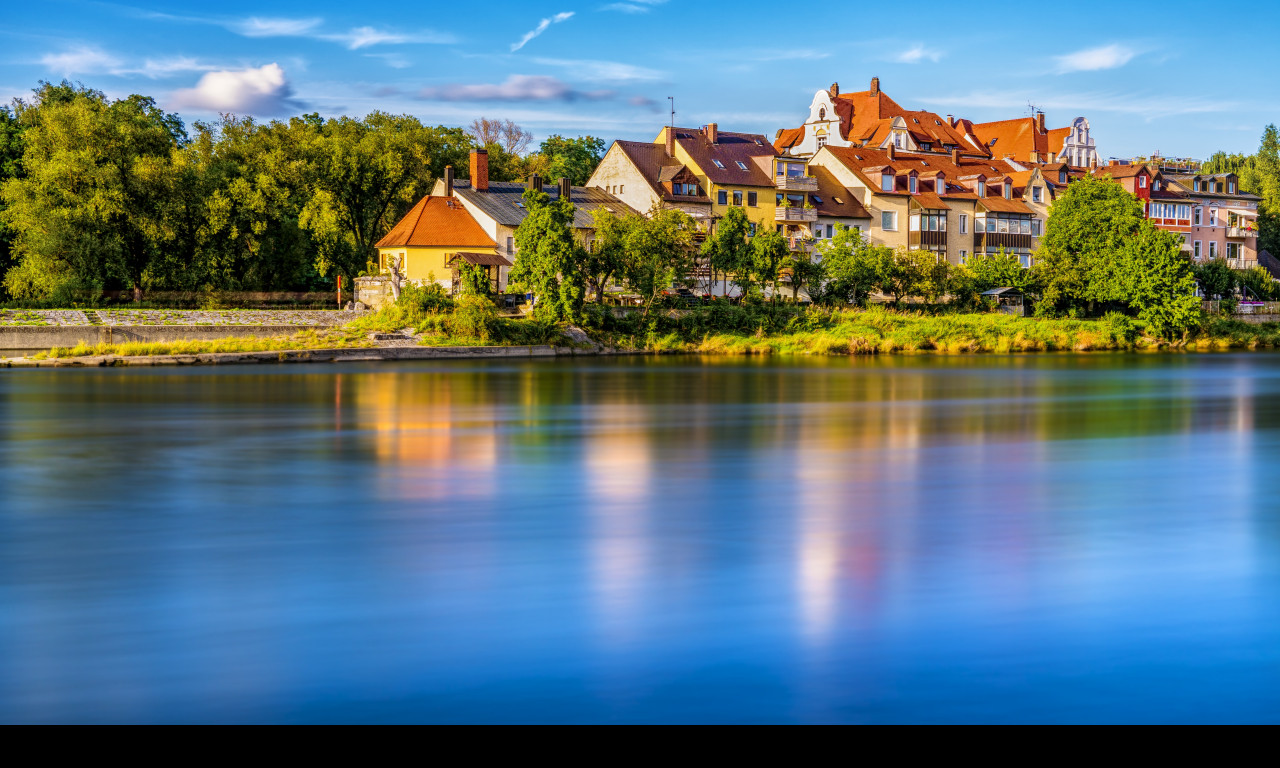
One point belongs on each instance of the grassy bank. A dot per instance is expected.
(302, 340)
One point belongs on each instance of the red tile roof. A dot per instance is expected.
(437, 222)
(730, 149)
(837, 202)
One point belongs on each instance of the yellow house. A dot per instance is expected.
(433, 237)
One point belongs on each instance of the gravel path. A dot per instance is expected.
(123, 317)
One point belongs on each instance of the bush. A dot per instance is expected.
(475, 317)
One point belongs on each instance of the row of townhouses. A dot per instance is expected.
(904, 178)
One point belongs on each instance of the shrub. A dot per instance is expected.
(475, 317)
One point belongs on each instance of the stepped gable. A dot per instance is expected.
(437, 222)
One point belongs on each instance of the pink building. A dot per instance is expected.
(1224, 220)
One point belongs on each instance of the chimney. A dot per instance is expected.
(1040, 122)
(713, 133)
(448, 181)
(875, 86)
(1093, 162)
(480, 170)
(955, 157)
(951, 121)
(566, 190)
(671, 142)
(535, 182)
(835, 90)
(890, 151)
(1035, 156)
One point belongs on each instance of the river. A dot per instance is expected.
(1037, 538)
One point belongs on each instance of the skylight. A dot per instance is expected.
(719, 164)
(742, 165)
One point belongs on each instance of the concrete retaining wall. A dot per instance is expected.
(369, 354)
(47, 337)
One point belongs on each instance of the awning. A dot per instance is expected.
(480, 259)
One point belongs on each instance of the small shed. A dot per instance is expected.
(491, 262)
(1007, 301)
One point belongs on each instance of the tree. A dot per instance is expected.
(548, 259)
(607, 255)
(806, 273)
(659, 253)
(1163, 291)
(10, 167)
(728, 251)
(998, 270)
(504, 134)
(1216, 278)
(769, 251)
(575, 159)
(364, 175)
(849, 261)
(91, 207)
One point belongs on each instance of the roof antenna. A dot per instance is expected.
(672, 99)
(1032, 109)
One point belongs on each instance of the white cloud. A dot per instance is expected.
(604, 71)
(1093, 59)
(633, 6)
(515, 88)
(258, 27)
(81, 60)
(538, 30)
(261, 91)
(916, 54)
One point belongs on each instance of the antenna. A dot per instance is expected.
(672, 99)
(1032, 109)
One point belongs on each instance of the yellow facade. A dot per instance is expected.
(422, 265)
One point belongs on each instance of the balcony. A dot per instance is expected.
(992, 241)
(796, 214)
(1241, 232)
(796, 183)
(927, 238)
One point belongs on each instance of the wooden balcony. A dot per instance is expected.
(994, 241)
(927, 238)
(796, 183)
(796, 214)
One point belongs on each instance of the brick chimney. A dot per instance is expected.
(835, 90)
(448, 181)
(671, 142)
(713, 133)
(890, 150)
(566, 190)
(535, 182)
(480, 169)
(955, 157)
(875, 86)
(1035, 156)
(1040, 122)
(951, 121)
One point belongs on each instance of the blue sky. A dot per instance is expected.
(606, 68)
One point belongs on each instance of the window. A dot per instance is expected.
(886, 182)
(1213, 249)
(752, 199)
(737, 197)
(913, 184)
(1025, 260)
(1062, 177)
(1231, 187)
(722, 197)
(831, 230)
(982, 189)
(1035, 195)
(1233, 250)
(1195, 186)
(1035, 227)
(1195, 250)
(964, 257)
(914, 224)
(742, 166)
(690, 190)
(718, 164)
(822, 142)
(822, 113)
(889, 221)
(1199, 212)
(752, 228)
(1008, 190)
(964, 224)
(1213, 217)
(511, 245)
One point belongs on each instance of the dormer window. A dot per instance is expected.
(1142, 182)
(886, 182)
(982, 189)
(1231, 187)
(1036, 195)
(1062, 177)
(940, 185)
(1008, 190)
(913, 184)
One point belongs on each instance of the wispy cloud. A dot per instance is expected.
(311, 27)
(632, 6)
(1093, 59)
(515, 88)
(918, 53)
(80, 60)
(604, 71)
(538, 30)
(255, 26)
(261, 91)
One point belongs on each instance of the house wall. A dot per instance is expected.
(425, 264)
(617, 172)
(823, 121)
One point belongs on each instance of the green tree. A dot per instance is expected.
(998, 270)
(607, 255)
(849, 262)
(474, 279)
(1163, 289)
(575, 159)
(92, 205)
(728, 251)
(659, 253)
(807, 273)
(548, 259)
(1216, 279)
(769, 252)
(364, 175)
(10, 168)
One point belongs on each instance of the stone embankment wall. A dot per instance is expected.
(47, 337)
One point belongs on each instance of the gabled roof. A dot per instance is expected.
(437, 222)
(1018, 138)
(501, 202)
(865, 161)
(837, 202)
(1002, 205)
(653, 163)
(729, 149)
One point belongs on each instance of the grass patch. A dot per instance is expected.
(303, 340)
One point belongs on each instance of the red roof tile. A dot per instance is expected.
(437, 222)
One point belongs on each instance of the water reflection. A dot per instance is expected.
(1061, 538)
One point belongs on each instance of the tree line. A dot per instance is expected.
(1259, 174)
(98, 194)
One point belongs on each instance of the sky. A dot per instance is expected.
(607, 68)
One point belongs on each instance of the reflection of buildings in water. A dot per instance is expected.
(432, 434)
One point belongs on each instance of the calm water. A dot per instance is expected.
(1038, 538)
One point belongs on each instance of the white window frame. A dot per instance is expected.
(1195, 250)
(892, 220)
(1213, 249)
(964, 225)
(1036, 195)
(886, 182)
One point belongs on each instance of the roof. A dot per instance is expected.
(437, 222)
(1003, 205)
(837, 202)
(730, 149)
(1120, 171)
(481, 259)
(502, 203)
(1006, 291)
(864, 160)
(653, 163)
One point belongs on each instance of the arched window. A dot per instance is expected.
(822, 113)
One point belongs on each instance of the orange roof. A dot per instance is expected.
(1018, 138)
(788, 138)
(437, 222)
